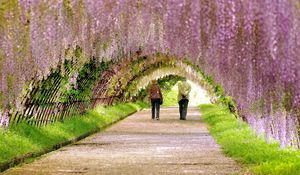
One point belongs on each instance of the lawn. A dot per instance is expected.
(240, 142)
(23, 138)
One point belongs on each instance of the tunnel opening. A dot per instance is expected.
(168, 81)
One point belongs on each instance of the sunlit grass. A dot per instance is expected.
(239, 142)
(197, 96)
(22, 138)
(170, 97)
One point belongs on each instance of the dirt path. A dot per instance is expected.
(138, 145)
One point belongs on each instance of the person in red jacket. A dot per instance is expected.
(156, 99)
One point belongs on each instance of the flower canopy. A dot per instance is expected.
(250, 47)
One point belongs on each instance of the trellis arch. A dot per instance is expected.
(64, 92)
(249, 47)
(180, 69)
(120, 83)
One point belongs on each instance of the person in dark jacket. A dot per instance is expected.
(156, 99)
(184, 89)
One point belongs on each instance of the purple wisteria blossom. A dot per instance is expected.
(4, 120)
(250, 47)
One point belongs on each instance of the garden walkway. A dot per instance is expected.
(138, 145)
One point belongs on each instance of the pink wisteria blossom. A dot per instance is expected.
(250, 47)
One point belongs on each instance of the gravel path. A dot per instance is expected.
(139, 145)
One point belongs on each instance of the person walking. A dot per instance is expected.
(184, 89)
(156, 99)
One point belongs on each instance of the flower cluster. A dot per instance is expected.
(4, 120)
(251, 47)
(73, 81)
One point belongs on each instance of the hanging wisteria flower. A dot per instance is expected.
(4, 116)
(250, 47)
(1, 114)
(73, 81)
(56, 108)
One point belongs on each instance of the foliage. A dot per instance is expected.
(225, 100)
(85, 81)
(65, 91)
(126, 78)
(156, 68)
(169, 94)
(218, 90)
(249, 47)
(170, 98)
(240, 142)
(24, 138)
(166, 84)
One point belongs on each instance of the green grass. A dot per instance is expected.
(22, 138)
(170, 98)
(240, 142)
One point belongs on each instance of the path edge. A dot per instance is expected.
(21, 159)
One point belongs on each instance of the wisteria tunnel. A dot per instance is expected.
(60, 57)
